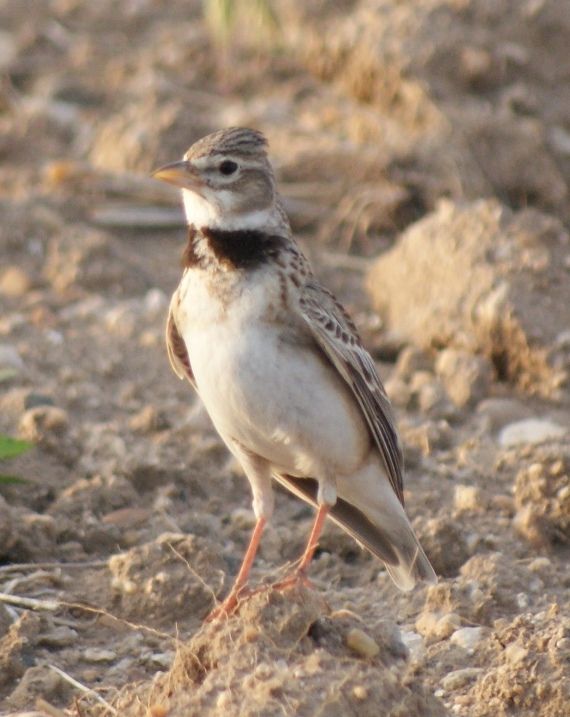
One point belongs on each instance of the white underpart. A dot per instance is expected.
(267, 395)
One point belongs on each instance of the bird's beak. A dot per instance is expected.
(181, 174)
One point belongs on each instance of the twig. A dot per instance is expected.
(30, 603)
(19, 567)
(202, 582)
(83, 688)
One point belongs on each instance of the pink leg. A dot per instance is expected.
(231, 602)
(300, 574)
(313, 539)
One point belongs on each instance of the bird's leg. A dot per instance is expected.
(313, 541)
(258, 471)
(300, 573)
(231, 602)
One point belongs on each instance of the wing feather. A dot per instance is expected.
(338, 338)
(177, 351)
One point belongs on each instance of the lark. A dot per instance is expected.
(279, 364)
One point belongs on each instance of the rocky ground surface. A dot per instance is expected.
(424, 152)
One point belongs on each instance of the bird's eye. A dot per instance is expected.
(228, 167)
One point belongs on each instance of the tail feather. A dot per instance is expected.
(397, 547)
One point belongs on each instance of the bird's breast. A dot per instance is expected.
(266, 384)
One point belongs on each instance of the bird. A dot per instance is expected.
(279, 365)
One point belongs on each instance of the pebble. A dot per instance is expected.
(161, 659)
(398, 392)
(148, 420)
(437, 626)
(459, 678)
(515, 654)
(61, 636)
(37, 422)
(538, 565)
(468, 637)
(466, 377)
(414, 643)
(10, 358)
(361, 643)
(224, 701)
(467, 498)
(95, 654)
(498, 412)
(360, 692)
(34, 400)
(14, 282)
(475, 65)
(410, 360)
(530, 430)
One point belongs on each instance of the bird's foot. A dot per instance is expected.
(296, 579)
(230, 605)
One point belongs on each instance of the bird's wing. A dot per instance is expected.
(338, 338)
(177, 351)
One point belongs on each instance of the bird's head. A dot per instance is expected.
(227, 181)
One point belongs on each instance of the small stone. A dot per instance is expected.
(414, 644)
(466, 377)
(360, 693)
(436, 626)
(447, 625)
(14, 282)
(432, 399)
(398, 391)
(361, 643)
(468, 637)
(467, 498)
(39, 681)
(95, 654)
(515, 654)
(224, 701)
(10, 359)
(250, 633)
(148, 420)
(36, 423)
(531, 430)
(498, 412)
(411, 360)
(445, 544)
(538, 565)
(162, 660)
(475, 64)
(60, 636)
(34, 400)
(459, 678)
(126, 517)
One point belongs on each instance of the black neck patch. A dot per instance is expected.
(243, 249)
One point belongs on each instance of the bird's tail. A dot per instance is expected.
(384, 530)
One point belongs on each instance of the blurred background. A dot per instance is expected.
(423, 150)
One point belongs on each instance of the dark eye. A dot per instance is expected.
(228, 167)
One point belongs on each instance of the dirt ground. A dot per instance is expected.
(423, 149)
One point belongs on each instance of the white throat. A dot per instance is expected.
(201, 213)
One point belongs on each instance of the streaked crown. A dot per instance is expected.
(239, 141)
